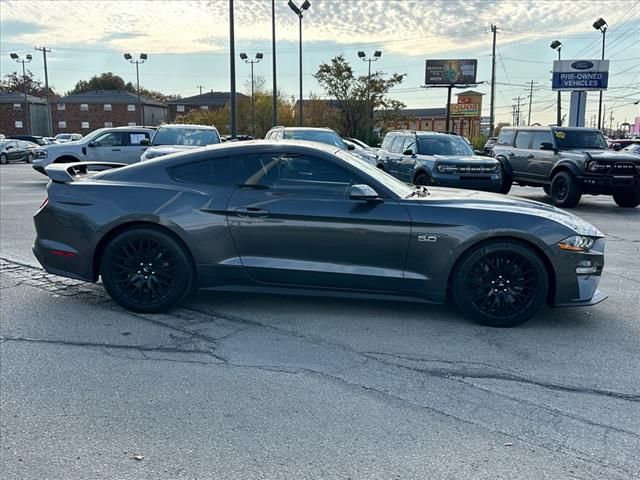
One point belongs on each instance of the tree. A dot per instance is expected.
(111, 81)
(357, 96)
(14, 82)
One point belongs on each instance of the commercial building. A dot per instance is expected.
(205, 101)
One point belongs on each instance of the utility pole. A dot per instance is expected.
(200, 87)
(530, 101)
(274, 113)
(44, 51)
(513, 114)
(610, 120)
(494, 30)
(517, 122)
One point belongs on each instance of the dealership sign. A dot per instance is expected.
(580, 75)
(451, 72)
(465, 109)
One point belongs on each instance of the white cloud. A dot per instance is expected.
(412, 27)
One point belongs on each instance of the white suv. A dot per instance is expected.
(119, 145)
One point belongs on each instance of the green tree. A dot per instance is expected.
(111, 81)
(357, 96)
(13, 82)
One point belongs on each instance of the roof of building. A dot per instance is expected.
(418, 113)
(17, 97)
(214, 99)
(109, 96)
(470, 92)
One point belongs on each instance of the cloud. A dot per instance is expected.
(410, 27)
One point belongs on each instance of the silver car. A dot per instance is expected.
(177, 138)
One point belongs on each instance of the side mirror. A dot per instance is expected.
(363, 192)
(144, 141)
(408, 151)
(93, 144)
(350, 147)
(616, 147)
(546, 146)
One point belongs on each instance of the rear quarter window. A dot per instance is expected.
(506, 137)
(197, 172)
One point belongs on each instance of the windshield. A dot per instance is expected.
(443, 145)
(186, 136)
(320, 136)
(63, 136)
(582, 139)
(396, 186)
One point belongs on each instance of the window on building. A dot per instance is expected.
(131, 108)
(107, 107)
(84, 107)
(61, 106)
(204, 107)
(180, 108)
(131, 124)
(17, 107)
(62, 124)
(18, 124)
(108, 124)
(85, 125)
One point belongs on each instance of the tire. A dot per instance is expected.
(547, 189)
(627, 199)
(380, 166)
(500, 283)
(422, 179)
(506, 184)
(29, 158)
(565, 191)
(145, 270)
(3, 159)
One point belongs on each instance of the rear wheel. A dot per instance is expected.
(627, 199)
(146, 270)
(565, 191)
(3, 159)
(30, 158)
(500, 284)
(422, 179)
(507, 181)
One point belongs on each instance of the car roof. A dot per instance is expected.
(550, 127)
(319, 129)
(187, 125)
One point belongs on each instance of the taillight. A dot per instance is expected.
(44, 202)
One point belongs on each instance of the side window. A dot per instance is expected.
(523, 138)
(409, 144)
(396, 146)
(506, 137)
(134, 138)
(299, 175)
(541, 137)
(113, 139)
(386, 143)
(216, 171)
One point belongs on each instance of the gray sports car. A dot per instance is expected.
(301, 217)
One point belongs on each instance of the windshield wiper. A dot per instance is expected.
(420, 191)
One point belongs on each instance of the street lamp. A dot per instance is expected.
(556, 45)
(376, 55)
(298, 11)
(244, 57)
(601, 25)
(142, 59)
(27, 59)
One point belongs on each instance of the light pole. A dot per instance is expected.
(274, 113)
(44, 51)
(601, 25)
(298, 11)
(142, 59)
(376, 55)
(556, 45)
(244, 57)
(27, 59)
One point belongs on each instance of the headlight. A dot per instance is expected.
(593, 166)
(577, 243)
(40, 153)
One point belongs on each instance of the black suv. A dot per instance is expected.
(431, 158)
(567, 162)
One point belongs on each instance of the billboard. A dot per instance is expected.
(580, 75)
(464, 109)
(450, 72)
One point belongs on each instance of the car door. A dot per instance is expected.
(395, 155)
(540, 166)
(132, 149)
(294, 224)
(106, 148)
(14, 154)
(407, 162)
(521, 153)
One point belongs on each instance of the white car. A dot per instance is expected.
(118, 145)
(67, 137)
(177, 138)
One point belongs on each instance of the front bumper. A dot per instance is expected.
(609, 184)
(489, 183)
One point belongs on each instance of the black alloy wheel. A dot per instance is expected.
(3, 159)
(146, 270)
(627, 199)
(565, 191)
(30, 158)
(500, 284)
(422, 179)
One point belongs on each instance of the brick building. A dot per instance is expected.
(85, 112)
(206, 101)
(14, 116)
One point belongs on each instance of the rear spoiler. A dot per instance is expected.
(68, 172)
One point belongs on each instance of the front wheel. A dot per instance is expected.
(500, 284)
(565, 191)
(505, 184)
(3, 159)
(146, 270)
(627, 199)
(422, 179)
(30, 158)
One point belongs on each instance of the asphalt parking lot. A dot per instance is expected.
(254, 386)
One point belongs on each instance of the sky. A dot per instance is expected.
(188, 45)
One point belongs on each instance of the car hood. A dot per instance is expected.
(494, 202)
(612, 155)
(460, 159)
(167, 149)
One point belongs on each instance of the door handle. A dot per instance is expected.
(530, 155)
(251, 212)
(511, 154)
(116, 150)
